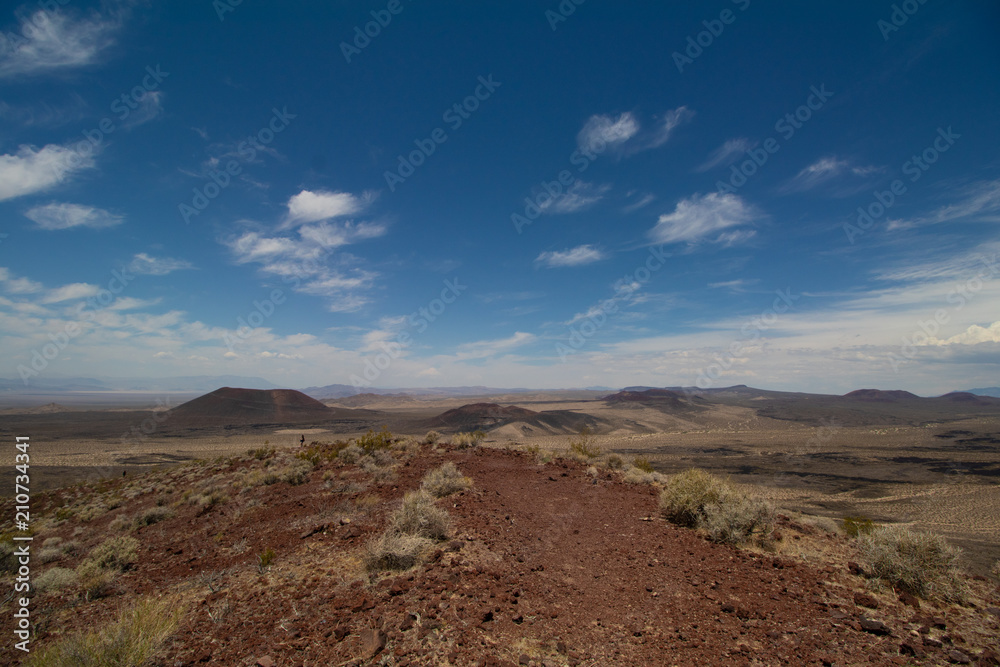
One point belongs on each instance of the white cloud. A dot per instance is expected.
(17, 285)
(156, 266)
(69, 292)
(578, 256)
(974, 335)
(698, 217)
(310, 206)
(980, 202)
(577, 197)
(301, 259)
(600, 132)
(66, 216)
(54, 41)
(32, 170)
(725, 153)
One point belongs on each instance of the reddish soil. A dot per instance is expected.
(546, 566)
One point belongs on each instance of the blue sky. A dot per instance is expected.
(513, 194)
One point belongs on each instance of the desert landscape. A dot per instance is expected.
(556, 551)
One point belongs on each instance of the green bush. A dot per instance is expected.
(584, 447)
(857, 525)
(372, 441)
(264, 559)
(919, 563)
(444, 481)
(643, 464)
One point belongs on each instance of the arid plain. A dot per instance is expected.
(929, 463)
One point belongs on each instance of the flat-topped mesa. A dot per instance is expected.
(880, 395)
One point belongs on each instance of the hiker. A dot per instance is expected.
(302, 441)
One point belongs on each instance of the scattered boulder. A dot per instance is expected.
(865, 600)
(874, 627)
(959, 658)
(373, 641)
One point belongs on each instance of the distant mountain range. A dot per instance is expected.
(189, 383)
(985, 391)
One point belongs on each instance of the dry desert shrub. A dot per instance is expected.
(614, 462)
(687, 494)
(431, 437)
(920, 563)
(738, 518)
(445, 480)
(55, 579)
(697, 499)
(115, 553)
(470, 439)
(295, 473)
(636, 475)
(643, 464)
(418, 515)
(153, 515)
(372, 441)
(351, 454)
(132, 640)
(50, 554)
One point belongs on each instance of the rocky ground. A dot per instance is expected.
(547, 564)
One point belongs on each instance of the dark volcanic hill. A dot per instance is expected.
(879, 395)
(481, 415)
(662, 399)
(230, 405)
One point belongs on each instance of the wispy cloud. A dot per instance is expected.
(150, 107)
(701, 216)
(70, 292)
(145, 265)
(978, 202)
(624, 133)
(826, 170)
(578, 197)
(738, 286)
(489, 348)
(309, 206)
(725, 153)
(644, 201)
(578, 256)
(67, 216)
(600, 132)
(667, 124)
(30, 170)
(57, 42)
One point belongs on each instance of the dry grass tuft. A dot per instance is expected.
(132, 640)
(395, 551)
